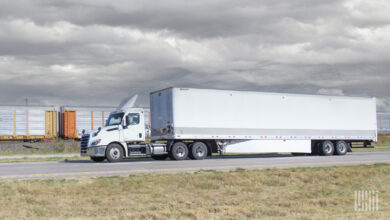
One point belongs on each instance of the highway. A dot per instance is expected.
(82, 168)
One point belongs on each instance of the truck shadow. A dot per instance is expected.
(216, 157)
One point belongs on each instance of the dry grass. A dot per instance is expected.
(299, 193)
(383, 144)
(59, 158)
(383, 140)
(375, 149)
(55, 146)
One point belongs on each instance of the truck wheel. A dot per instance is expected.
(349, 149)
(326, 148)
(198, 151)
(189, 151)
(315, 148)
(114, 153)
(341, 148)
(98, 159)
(179, 151)
(160, 157)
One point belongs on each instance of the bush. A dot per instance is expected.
(59, 146)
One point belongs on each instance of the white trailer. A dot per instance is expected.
(198, 122)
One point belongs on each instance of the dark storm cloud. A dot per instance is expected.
(95, 52)
(190, 18)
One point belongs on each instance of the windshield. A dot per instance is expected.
(114, 119)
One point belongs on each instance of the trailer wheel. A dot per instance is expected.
(341, 148)
(315, 148)
(326, 148)
(114, 153)
(160, 157)
(189, 151)
(179, 151)
(349, 149)
(198, 151)
(98, 159)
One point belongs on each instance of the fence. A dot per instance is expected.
(383, 122)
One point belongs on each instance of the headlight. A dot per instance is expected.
(97, 142)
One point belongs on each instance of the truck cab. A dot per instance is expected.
(124, 134)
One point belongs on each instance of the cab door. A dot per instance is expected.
(133, 127)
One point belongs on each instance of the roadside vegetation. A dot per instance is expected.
(295, 193)
(59, 158)
(383, 144)
(372, 149)
(55, 146)
(383, 140)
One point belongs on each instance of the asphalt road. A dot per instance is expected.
(35, 170)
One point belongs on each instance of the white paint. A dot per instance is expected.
(297, 116)
(269, 146)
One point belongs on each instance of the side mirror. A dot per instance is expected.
(124, 125)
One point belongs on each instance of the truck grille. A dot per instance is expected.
(84, 143)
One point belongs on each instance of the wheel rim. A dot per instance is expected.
(115, 153)
(199, 151)
(328, 148)
(180, 152)
(342, 148)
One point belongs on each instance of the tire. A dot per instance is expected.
(341, 148)
(315, 148)
(349, 147)
(114, 153)
(98, 159)
(198, 151)
(326, 148)
(179, 151)
(160, 157)
(189, 151)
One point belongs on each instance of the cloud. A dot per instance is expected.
(96, 52)
(336, 92)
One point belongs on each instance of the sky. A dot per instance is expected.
(96, 52)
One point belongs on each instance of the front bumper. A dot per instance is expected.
(94, 151)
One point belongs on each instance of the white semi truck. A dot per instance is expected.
(195, 123)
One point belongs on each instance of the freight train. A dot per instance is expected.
(47, 122)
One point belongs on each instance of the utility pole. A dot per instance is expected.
(26, 101)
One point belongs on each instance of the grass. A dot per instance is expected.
(383, 140)
(59, 158)
(39, 152)
(383, 144)
(295, 193)
(376, 149)
(56, 146)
